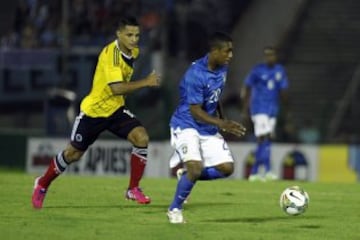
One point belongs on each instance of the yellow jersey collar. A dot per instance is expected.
(122, 53)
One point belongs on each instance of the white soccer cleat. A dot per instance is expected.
(256, 178)
(179, 174)
(271, 177)
(175, 216)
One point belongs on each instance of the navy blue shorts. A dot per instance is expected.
(87, 129)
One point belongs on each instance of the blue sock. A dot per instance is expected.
(183, 190)
(266, 154)
(210, 173)
(258, 158)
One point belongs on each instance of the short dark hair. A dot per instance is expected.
(217, 39)
(127, 21)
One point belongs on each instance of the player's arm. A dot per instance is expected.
(246, 99)
(220, 110)
(226, 125)
(246, 91)
(122, 88)
(284, 93)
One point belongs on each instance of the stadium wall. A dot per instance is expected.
(325, 163)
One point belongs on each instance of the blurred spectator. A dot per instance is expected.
(9, 40)
(22, 13)
(28, 38)
(49, 36)
(309, 133)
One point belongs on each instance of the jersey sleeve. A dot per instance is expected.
(250, 78)
(112, 70)
(194, 88)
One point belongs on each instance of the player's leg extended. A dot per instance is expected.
(267, 152)
(56, 167)
(183, 189)
(140, 140)
(262, 152)
(187, 145)
(125, 125)
(84, 133)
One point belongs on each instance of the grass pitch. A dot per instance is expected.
(80, 207)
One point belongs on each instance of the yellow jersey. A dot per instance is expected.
(113, 66)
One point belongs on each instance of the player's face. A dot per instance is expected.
(270, 56)
(129, 37)
(224, 54)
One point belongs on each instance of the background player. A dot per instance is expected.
(195, 124)
(104, 109)
(263, 86)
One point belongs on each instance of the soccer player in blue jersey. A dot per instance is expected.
(195, 123)
(264, 86)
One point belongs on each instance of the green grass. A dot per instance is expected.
(94, 208)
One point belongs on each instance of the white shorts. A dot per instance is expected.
(263, 124)
(190, 145)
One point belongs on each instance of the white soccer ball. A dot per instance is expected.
(294, 200)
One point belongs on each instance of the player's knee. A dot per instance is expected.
(72, 154)
(139, 137)
(194, 170)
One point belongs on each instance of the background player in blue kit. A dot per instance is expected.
(195, 124)
(265, 84)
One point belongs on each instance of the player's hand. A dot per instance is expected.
(232, 127)
(153, 79)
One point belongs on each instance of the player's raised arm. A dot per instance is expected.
(122, 88)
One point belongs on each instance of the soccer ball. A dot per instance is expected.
(294, 200)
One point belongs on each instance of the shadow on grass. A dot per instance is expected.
(119, 206)
(309, 226)
(262, 220)
(133, 205)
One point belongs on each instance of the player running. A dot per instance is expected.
(195, 124)
(263, 86)
(104, 109)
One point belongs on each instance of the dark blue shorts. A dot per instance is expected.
(87, 129)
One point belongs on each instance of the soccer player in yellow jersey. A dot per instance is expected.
(104, 109)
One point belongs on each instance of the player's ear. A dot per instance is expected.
(118, 33)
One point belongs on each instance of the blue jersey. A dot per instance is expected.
(199, 86)
(266, 83)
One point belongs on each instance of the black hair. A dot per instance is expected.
(217, 40)
(127, 21)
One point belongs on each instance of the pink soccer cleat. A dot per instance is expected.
(38, 195)
(137, 195)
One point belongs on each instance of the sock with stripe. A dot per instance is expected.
(56, 167)
(137, 163)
